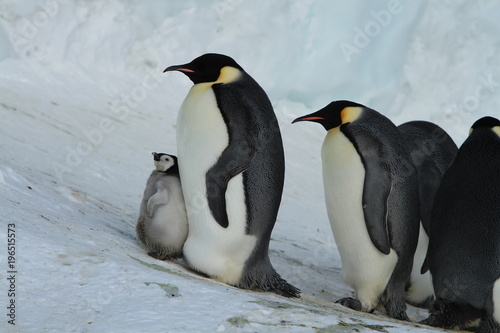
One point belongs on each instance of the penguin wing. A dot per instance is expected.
(234, 160)
(376, 190)
(377, 186)
(157, 199)
(429, 178)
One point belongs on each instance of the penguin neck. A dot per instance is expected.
(332, 131)
(172, 171)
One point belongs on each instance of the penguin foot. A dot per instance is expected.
(395, 308)
(278, 285)
(285, 289)
(400, 315)
(350, 303)
(488, 325)
(272, 282)
(156, 255)
(439, 316)
(451, 316)
(164, 256)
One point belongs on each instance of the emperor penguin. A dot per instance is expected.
(464, 244)
(232, 171)
(372, 204)
(162, 225)
(432, 151)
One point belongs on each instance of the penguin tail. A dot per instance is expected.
(263, 277)
(281, 287)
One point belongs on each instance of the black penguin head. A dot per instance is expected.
(334, 114)
(166, 163)
(487, 122)
(205, 68)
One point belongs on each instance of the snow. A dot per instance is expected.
(84, 103)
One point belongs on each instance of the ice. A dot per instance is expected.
(84, 103)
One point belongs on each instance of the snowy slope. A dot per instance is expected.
(84, 103)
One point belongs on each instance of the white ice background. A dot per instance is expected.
(83, 103)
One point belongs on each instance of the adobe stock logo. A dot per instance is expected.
(29, 28)
(373, 28)
(470, 104)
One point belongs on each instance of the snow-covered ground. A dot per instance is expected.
(83, 103)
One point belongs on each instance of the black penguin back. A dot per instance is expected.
(464, 242)
(432, 151)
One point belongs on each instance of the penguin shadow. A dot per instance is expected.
(149, 259)
(182, 265)
(306, 300)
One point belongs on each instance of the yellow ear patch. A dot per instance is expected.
(495, 129)
(228, 74)
(350, 114)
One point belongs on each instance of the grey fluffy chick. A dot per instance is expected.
(163, 225)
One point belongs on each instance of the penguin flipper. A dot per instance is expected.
(377, 187)
(157, 199)
(234, 160)
(429, 178)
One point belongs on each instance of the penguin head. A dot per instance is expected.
(165, 163)
(334, 114)
(488, 123)
(205, 68)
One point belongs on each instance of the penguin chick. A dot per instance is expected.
(432, 151)
(372, 203)
(464, 243)
(162, 225)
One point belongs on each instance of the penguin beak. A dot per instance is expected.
(180, 68)
(308, 118)
(156, 157)
(319, 117)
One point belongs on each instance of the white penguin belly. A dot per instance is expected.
(421, 284)
(496, 301)
(201, 138)
(364, 268)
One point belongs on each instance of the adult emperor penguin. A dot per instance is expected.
(232, 171)
(162, 225)
(372, 203)
(464, 244)
(432, 151)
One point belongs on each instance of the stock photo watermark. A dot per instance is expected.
(30, 27)
(223, 7)
(11, 274)
(453, 290)
(372, 29)
(484, 89)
